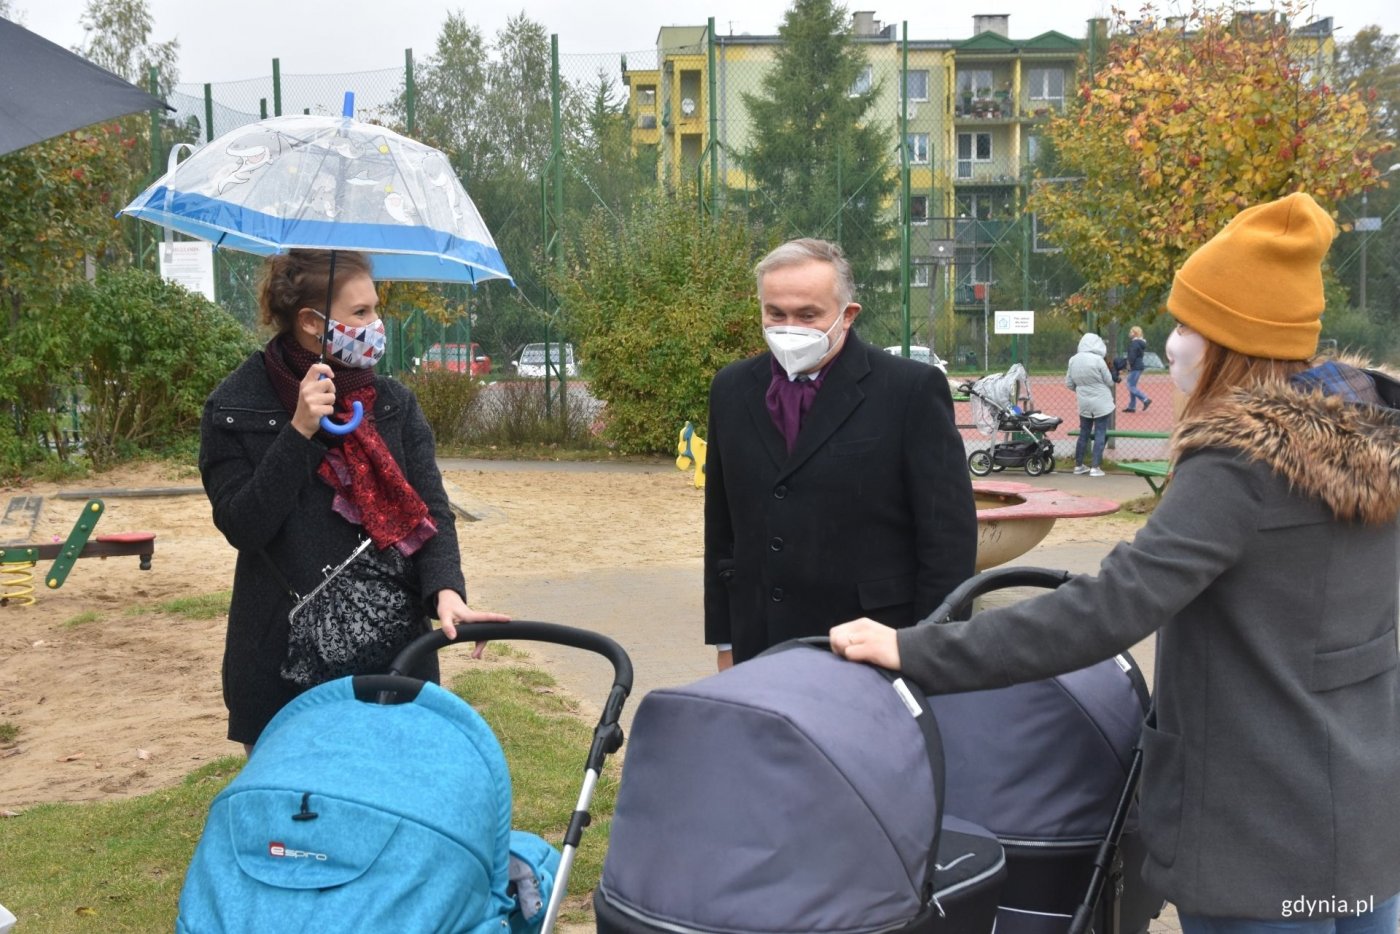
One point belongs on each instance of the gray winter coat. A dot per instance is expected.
(1270, 569)
(1090, 378)
(260, 475)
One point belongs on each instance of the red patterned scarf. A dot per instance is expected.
(370, 488)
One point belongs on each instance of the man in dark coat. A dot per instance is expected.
(836, 482)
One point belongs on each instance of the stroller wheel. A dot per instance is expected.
(1039, 464)
(980, 462)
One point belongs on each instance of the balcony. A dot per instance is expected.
(985, 105)
(968, 232)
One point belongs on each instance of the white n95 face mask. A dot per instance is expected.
(798, 349)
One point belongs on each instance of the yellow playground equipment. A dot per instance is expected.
(690, 454)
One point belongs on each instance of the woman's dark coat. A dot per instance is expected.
(260, 474)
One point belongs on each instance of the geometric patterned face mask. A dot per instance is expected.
(357, 347)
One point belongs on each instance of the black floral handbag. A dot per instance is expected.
(353, 622)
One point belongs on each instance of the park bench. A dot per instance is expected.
(1156, 473)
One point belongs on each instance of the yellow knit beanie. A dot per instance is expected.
(1256, 287)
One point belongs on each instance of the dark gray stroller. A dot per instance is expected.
(794, 792)
(800, 793)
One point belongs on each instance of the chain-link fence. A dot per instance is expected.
(920, 164)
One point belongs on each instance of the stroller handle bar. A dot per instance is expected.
(524, 629)
(962, 596)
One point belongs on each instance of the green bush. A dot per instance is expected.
(148, 353)
(658, 304)
(445, 398)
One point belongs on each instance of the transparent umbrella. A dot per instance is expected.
(328, 183)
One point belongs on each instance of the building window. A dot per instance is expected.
(646, 121)
(975, 82)
(919, 277)
(863, 83)
(918, 148)
(972, 149)
(975, 206)
(1033, 148)
(646, 98)
(972, 265)
(1040, 243)
(917, 87)
(1047, 84)
(918, 209)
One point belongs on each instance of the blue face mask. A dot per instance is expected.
(357, 346)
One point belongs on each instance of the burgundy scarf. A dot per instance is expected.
(370, 488)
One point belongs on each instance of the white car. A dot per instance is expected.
(530, 362)
(919, 353)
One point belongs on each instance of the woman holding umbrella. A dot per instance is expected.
(296, 500)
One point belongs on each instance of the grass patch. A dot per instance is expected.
(113, 866)
(119, 866)
(82, 619)
(203, 606)
(9, 732)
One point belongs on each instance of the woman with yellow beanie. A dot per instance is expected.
(1271, 568)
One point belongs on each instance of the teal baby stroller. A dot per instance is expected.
(383, 803)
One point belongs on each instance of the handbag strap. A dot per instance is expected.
(277, 575)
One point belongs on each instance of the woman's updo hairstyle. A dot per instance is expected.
(297, 279)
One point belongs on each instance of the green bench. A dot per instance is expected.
(1156, 473)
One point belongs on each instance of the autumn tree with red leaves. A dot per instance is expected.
(1182, 126)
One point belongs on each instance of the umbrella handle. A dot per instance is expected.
(357, 414)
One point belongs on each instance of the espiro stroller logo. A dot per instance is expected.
(280, 850)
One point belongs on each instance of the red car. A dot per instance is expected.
(458, 358)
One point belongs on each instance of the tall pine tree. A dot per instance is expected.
(821, 164)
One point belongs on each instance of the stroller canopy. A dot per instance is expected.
(794, 792)
(994, 395)
(383, 817)
(1043, 762)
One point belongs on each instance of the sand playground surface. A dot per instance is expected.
(115, 695)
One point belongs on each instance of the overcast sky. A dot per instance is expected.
(227, 41)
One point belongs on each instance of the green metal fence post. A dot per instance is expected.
(277, 87)
(208, 112)
(410, 93)
(714, 124)
(905, 232)
(557, 145)
(262, 107)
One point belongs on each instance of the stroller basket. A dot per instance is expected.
(383, 803)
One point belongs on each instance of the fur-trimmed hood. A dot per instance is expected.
(1345, 454)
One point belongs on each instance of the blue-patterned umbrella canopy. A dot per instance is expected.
(328, 183)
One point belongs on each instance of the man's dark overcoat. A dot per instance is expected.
(871, 514)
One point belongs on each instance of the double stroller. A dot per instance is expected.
(383, 803)
(800, 793)
(1002, 409)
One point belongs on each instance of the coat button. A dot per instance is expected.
(272, 422)
(775, 543)
(779, 491)
(777, 595)
(229, 419)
